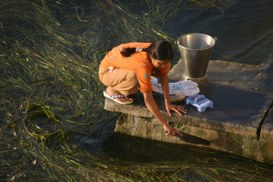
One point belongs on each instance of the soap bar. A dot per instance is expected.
(200, 102)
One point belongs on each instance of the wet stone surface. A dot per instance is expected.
(242, 113)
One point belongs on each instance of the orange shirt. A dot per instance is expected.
(138, 61)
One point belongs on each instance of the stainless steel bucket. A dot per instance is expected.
(195, 51)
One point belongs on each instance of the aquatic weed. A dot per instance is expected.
(49, 55)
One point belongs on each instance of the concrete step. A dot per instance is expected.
(241, 121)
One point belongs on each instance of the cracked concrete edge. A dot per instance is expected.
(238, 75)
(267, 125)
(130, 109)
(141, 111)
(216, 66)
(242, 145)
(196, 121)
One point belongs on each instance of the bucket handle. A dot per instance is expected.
(177, 41)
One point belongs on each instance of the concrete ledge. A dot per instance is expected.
(241, 121)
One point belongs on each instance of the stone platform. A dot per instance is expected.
(241, 121)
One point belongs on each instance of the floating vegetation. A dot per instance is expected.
(50, 95)
(48, 91)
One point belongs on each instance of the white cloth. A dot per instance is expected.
(180, 88)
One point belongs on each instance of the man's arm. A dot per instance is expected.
(153, 108)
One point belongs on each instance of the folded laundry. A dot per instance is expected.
(180, 88)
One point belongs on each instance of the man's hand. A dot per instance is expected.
(178, 109)
(170, 131)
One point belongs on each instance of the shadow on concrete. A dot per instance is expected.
(192, 139)
(268, 80)
(231, 105)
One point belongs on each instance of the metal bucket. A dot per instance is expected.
(195, 51)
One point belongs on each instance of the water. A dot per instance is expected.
(54, 127)
(244, 31)
(187, 162)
